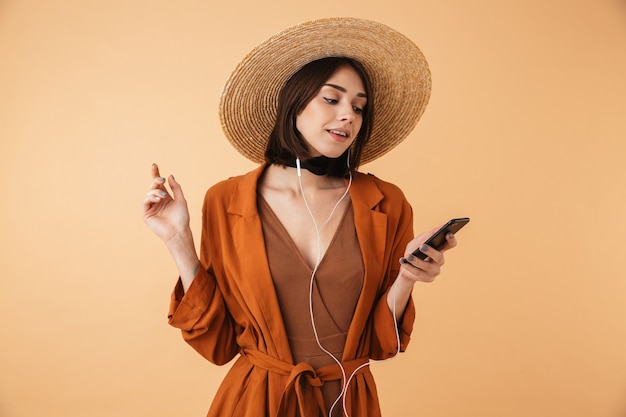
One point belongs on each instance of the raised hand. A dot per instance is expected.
(166, 214)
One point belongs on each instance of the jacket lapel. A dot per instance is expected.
(371, 229)
(252, 272)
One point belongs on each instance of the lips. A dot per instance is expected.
(341, 134)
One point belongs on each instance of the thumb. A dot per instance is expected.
(177, 190)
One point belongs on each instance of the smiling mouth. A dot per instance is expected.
(338, 132)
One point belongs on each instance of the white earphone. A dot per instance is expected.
(318, 229)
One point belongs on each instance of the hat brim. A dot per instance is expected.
(397, 68)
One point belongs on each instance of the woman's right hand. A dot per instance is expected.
(166, 215)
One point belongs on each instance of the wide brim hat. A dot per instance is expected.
(397, 68)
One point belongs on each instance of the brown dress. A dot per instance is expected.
(336, 289)
(231, 310)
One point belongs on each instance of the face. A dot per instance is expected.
(332, 119)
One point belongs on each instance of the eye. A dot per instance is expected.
(357, 110)
(331, 100)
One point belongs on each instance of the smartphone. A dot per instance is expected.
(439, 238)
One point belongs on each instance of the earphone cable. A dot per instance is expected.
(345, 380)
(318, 230)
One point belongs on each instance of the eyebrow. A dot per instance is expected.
(343, 90)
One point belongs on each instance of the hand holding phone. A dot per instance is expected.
(437, 240)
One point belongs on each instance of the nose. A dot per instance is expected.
(345, 112)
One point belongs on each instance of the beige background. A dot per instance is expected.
(525, 133)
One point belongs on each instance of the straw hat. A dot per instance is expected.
(398, 71)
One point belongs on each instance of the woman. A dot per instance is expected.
(305, 267)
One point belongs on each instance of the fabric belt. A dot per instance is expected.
(303, 388)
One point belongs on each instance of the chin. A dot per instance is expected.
(334, 154)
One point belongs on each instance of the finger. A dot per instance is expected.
(156, 195)
(432, 255)
(153, 197)
(160, 193)
(428, 265)
(422, 237)
(158, 183)
(177, 190)
(416, 273)
(155, 171)
(450, 242)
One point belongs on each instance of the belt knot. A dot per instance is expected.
(302, 391)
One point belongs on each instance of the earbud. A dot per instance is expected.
(298, 167)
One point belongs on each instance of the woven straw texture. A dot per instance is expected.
(398, 70)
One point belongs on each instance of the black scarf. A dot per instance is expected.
(318, 165)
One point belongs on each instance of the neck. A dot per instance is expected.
(278, 176)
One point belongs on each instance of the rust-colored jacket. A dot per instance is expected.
(231, 307)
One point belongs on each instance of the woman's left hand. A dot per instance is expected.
(428, 269)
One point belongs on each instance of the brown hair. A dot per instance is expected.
(286, 143)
